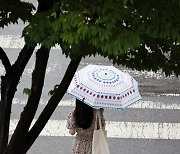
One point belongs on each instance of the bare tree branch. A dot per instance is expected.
(17, 140)
(5, 59)
(52, 104)
(23, 58)
(8, 88)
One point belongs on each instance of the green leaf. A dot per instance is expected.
(27, 91)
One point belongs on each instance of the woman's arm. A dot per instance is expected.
(71, 124)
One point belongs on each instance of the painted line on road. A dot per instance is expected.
(136, 130)
(11, 41)
(15, 42)
(161, 94)
(139, 105)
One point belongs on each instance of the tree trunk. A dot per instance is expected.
(52, 104)
(9, 83)
(7, 94)
(18, 138)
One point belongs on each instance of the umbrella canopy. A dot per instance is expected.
(104, 87)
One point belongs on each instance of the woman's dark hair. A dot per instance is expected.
(84, 114)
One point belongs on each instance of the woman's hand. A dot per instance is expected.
(72, 131)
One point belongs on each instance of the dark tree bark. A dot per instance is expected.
(18, 139)
(22, 140)
(52, 104)
(45, 5)
(5, 60)
(9, 83)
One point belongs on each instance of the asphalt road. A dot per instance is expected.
(158, 110)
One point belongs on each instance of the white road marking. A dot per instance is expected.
(142, 130)
(14, 41)
(11, 41)
(135, 130)
(161, 94)
(139, 105)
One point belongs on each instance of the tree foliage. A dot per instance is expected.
(138, 34)
(13, 10)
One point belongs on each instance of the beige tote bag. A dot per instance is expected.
(99, 143)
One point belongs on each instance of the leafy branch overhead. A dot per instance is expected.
(138, 34)
(143, 35)
(13, 10)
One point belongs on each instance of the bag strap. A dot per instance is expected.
(97, 118)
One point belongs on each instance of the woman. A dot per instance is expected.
(81, 121)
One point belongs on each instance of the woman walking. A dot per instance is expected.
(81, 121)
